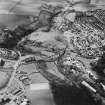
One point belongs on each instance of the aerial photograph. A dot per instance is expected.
(52, 52)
